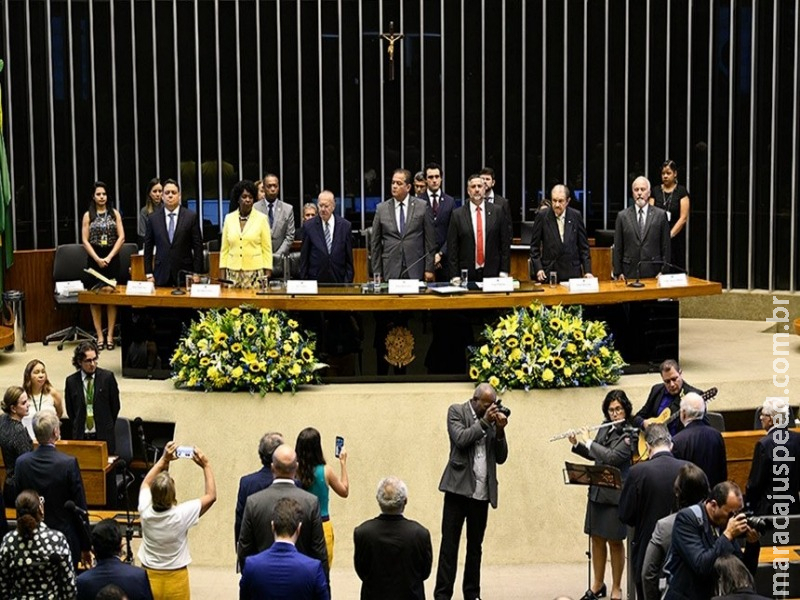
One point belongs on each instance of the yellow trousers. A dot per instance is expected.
(169, 585)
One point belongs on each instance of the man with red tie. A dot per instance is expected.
(478, 238)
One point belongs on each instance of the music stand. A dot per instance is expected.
(598, 475)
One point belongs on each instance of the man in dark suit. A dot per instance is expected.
(702, 533)
(478, 239)
(648, 494)
(775, 463)
(256, 533)
(641, 237)
(56, 477)
(477, 432)
(281, 571)
(403, 236)
(393, 555)
(559, 240)
(699, 442)
(173, 232)
(106, 543)
(487, 174)
(442, 206)
(92, 398)
(327, 251)
(666, 395)
(255, 482)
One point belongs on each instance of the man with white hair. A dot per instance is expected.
(774, 481)
(700, 443)
(641, 236)
(393, 555)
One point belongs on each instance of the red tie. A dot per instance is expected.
(479, 237)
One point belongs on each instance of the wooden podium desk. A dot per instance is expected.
(96, 466)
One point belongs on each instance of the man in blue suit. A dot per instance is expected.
(699, 442)
(281, 572)
(106, 542)
(327, 251)
(174, 232)
(442, 206)
(255, 482)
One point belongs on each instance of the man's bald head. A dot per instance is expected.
(692, 406)
(284, 462)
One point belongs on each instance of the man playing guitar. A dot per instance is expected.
(666, 396)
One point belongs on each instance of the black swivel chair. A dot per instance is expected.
(124, 442)
(70, 260)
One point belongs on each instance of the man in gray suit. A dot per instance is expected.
(403, 235)
(477, 431)
(281, 222)
(641, 237)
(256, 533)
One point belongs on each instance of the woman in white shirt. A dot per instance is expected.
(164, 552)
(41, 393)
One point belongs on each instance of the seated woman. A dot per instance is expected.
(41, 393)
(245, 254)
(164, 552)
(14, 438)
(34, 557)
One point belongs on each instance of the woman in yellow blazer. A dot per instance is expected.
(246, 251)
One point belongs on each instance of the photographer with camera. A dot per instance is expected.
(702, 533)
(477, 430)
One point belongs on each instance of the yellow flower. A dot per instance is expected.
(254, 367)
(287, 347)
(514, 355)
(205, 361)
(212, 372)
(547, 375)
(520, 374)
(485, 364)
(594, 361)
(307, 354)
(494, 381)
(250, 330)
(249, 357)
(295, 337)
(220, 336)
(555, 324)
(571, 348)
(484, 350)
(604, 352)
(567, 372)
(497, 351)
(512, 342)
(237, 372)
(558, 362)
(236, 312)
(527, 339)
(202, 344)
(272, 353)
(295, 369)
(473, 372)
(292, 323)
(578, 335)
(185, 359)
(236, 347)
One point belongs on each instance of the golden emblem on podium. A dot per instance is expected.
(399, 346)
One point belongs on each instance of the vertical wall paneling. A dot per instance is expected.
(793, 188)
(260, 88)
(134, 82)
(667, 86)
(239, 109)
(732, 46)
(773, 167)
(300, 144)
(687, 169)
(198, 112)
(279, 83)
(94, 94)
(647, 26)
(340, 55)
(627, 99)
(483, 82)
(709, 114)
(524, 113)
(585, 100)
(176, 95)
(752, 170)
(543, 114)
(52, 122)
(320, 100)
(156, 121)
(31, 120)
(362, 128)
(218, 112)
(605, 118)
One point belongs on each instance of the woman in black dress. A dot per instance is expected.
(102, 236)
(611, 447)
(674, 198)
(14, 438)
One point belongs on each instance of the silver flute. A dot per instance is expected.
(566, 434)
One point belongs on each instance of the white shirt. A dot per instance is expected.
(164, 534)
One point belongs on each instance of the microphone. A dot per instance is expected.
(637, 283)
(219, 280)
(181, 274)
(416, 262)
(121, 465)
(72, 507)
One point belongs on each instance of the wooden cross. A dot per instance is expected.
(391, 37)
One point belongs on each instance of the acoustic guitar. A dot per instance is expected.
(665, 418)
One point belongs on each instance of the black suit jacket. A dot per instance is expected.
(185, 253)
(461, 241)
(703, 445)
(315, 260)
(393, 558)
(503, 203)
(632, 248)
(106, 406)
(56, 476)
(764, 469)
(132, 580)
(650, 408)
(647, 496)
(569, 258)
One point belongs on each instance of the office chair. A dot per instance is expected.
(124, 442)
(68, 265)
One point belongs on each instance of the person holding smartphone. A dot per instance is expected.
(319, 478)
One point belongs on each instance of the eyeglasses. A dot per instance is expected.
(618, 409)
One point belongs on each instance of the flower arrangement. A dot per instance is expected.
(545, 347)
(245, 349)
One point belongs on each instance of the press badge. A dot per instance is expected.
(104, 240)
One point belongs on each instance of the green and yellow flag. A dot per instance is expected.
(6, 224)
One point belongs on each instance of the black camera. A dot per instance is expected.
(502, 409)
(760, 524)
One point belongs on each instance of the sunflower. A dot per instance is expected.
(494, 381)
(555, 324)
(527, 339)
(558, 362)
(272, 353)
(250, 329)
(473, 372)
(512, 342)
(236, 311)
(306, 354)
(236, 347)
(205, 361)
(292, 323)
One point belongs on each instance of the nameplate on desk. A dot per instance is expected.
(301, 286)
(671, 280)
(69, 288)
(404, 286)
(584, 285)
(498, 284)
(205, 290)
(140, 288)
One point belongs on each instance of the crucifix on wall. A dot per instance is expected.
(391, 37)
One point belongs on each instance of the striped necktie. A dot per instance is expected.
(328, 237)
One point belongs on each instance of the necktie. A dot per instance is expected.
(479, 237)
(328, 238)
(89, 402)
(560, 221)
(402, 220)
(435, 204)
(641, 221)
(271, 214)
(171, 229)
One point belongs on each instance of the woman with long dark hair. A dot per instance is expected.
(14, 437)
(316, 477)
(152, 200)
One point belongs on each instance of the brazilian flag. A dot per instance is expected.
(6, 224)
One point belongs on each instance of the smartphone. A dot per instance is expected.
(184, 452)
(339, 445)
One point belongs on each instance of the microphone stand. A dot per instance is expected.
(128, 516)
(177, 291)
(637, 283)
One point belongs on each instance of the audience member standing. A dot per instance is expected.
(57, 478)
(255, 482)
(700, 443)
(318, 477)
(164, 552)
(281, 572)
(152, 201)
(327, 251)
(102, 235)
(41, 393)
(92, 397)
(14, 438)
(673, 198)
(477, 432)
(281, 222)
(245, 254)
(393, 555)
